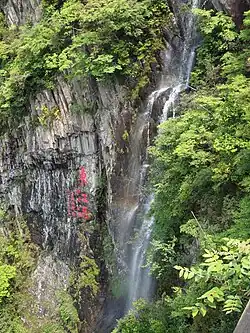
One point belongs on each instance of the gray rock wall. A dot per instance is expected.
(39, 168)
(233, 7)
(20, 11)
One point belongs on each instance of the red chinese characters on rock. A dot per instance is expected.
(82, 177)
(78, 200)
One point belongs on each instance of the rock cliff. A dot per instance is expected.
(20, 11)
(89, 127)
(233, 7)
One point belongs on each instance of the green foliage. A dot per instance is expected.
(47, 116)
(241, 219)
(7, 273)
(143, 319)
(97, 38)
(125, 136)
(68, 312)
(191, 228)
(86, 277)
(17, 254)
(227, 269)
(55, 328)
(17, 259)
(159, 256)
(219, 39)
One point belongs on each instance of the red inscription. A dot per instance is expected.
(77, 199)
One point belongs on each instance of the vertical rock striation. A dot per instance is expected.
(20, 11)
(39, 166)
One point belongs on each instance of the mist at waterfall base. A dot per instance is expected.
(140, 282)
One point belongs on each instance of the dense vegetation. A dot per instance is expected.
(78, 38)
(201, 178)
(17, 259)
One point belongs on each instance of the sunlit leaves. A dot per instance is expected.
(227, 267)
(219, 24)
(186, 273)
(245, 33)
(7, 273)
(198, 308)
(214, 294)
(232, 303)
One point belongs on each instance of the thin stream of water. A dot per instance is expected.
(140, 282)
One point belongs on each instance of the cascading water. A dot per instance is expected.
(140, 282)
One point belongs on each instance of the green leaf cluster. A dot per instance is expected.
(201, 178)
(68, 312)
(145, 318)
(7, 273)
(227, 268)
(47, 116)
(78, 38)
(86, 277)
(17, 260)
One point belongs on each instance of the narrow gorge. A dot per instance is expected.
(88, 90)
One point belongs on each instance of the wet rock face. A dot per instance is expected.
(40, 167)
(77, 126)
(235, 8)
(20, 11)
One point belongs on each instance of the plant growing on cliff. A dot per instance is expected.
(7, 274)
(47, 116)
(17, 259)
(220, 38)
(97, 38)
(55, 328)
(68, 312)
(85, 278)
(144, 318)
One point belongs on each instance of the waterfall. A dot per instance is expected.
(140, 282)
